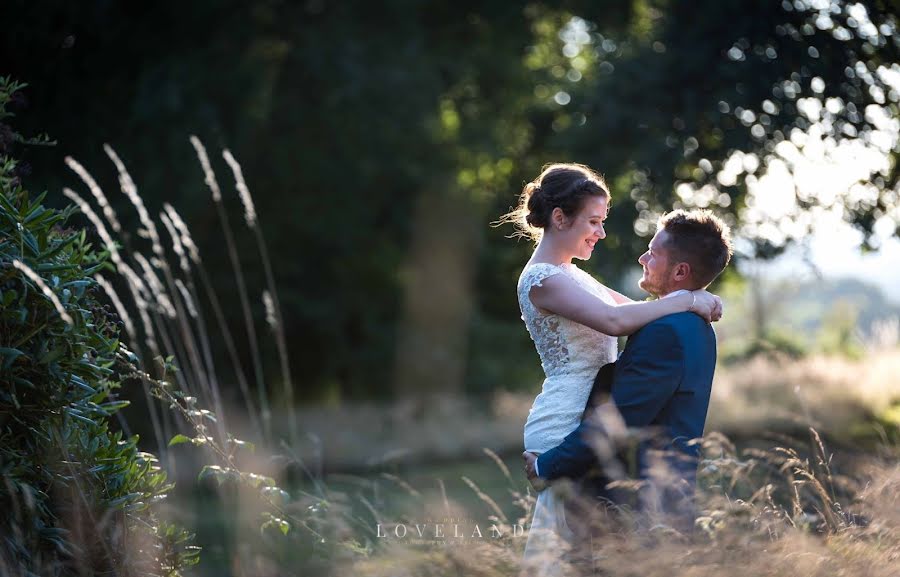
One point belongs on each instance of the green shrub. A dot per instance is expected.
(78, 498)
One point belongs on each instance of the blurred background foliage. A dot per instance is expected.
(381, 139)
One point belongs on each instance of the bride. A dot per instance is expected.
(574, 321)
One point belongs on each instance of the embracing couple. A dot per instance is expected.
(659, 385)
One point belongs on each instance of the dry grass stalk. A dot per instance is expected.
(243, 191)
(36, 279)
(177, 245)
(208, 173)
(212, 183)
(486, 499)
(128, 187)
(95, 189)
(275, 317)
(184, 234)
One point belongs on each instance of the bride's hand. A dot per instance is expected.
(707, 305)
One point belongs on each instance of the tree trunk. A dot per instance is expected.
(433, 335)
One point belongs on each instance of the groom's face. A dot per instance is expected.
(657, 268)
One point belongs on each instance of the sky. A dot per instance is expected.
(835, 174)
(835, 252)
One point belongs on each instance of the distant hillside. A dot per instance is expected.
(803, 308)
(811, 302)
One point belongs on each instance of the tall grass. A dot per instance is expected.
(172, 333)
(170, 310)
(779, 511)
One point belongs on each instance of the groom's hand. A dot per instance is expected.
(536, 482)
(718, 310)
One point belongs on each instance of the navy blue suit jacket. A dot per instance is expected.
(661, 380)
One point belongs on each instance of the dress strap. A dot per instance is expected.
(534, 274)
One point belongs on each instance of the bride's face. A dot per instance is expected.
(584, 230)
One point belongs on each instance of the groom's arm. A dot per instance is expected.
(646, 376)
(572, 458)
(651, 374)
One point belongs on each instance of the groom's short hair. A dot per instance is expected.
(699, 238)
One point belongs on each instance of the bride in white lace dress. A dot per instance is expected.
(574, 321)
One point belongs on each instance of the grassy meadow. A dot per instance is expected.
(799, 478)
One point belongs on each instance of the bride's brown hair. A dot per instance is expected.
(559, 185)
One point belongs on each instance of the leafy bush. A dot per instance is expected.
(78, 497)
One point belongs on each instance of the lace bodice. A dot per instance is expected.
(571, 354)
(565, 347)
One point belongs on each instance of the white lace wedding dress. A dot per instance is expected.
(571, 354)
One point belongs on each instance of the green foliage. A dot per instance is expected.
(79, 498)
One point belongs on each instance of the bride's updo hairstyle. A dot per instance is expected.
(559, 185)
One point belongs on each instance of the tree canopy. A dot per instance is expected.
(380, 140)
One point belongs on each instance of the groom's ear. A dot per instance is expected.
(681, 272)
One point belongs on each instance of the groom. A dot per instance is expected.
(660, 384)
